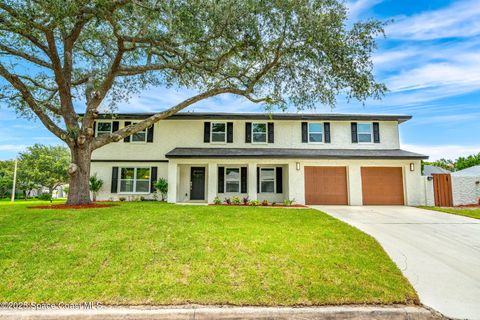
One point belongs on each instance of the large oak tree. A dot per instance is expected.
(62, 60)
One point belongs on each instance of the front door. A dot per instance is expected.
(197, 183)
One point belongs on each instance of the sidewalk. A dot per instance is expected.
(225, 312)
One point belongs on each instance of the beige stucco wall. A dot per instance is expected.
(169, 134)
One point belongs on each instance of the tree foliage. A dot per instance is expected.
(467, 162)
(44, 166)
(6, 177)
(458, 164)
(96, 52)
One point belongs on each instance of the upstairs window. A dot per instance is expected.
(315, 132)
(103, 128)
(259, 133)
(135, 180)
(140, 136)
(218, 132)
(267, 180)
(232, 180)
(364, 132)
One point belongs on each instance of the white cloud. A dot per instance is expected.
(355, 8)
(461, 19)
(437, 152)
(12, 147)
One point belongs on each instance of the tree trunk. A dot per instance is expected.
(79, 191)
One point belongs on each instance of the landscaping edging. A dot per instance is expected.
(226, 312)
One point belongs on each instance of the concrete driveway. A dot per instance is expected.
(439, 253)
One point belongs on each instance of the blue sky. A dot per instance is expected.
(430, 61)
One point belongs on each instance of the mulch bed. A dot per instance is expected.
(74, 206)
(260, 205)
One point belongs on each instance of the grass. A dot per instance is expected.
(152, 253)
(467, 212)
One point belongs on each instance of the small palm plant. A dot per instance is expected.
(95, 185)
(162, 187)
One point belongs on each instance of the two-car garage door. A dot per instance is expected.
(328, 185)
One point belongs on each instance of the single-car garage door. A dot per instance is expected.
(382, 185)
(326, 185)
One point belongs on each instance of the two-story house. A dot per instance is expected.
(350, 159)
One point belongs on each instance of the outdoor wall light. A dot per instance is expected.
(412, 166)
(429, 178)
(298, 165)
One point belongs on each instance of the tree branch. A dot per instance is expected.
(142, 125)
(26, 56)
(28, 97)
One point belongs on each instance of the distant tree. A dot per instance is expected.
(59, 55)
(95, 186)
(442, 163)
(6, 177)
(44, 166)
(467, 162)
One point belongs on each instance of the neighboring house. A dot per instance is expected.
(312, 158)
(428, 170)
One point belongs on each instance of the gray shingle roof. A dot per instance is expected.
(428, 170)
(471, 172)
(292, 153)
(264, 116)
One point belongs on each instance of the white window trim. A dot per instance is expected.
(239, 180)
(139, 142)
(211, 133)
(134, 180)
(274, 180)
(323, 133)
(96, 127)
(371, 132)
(266, 133)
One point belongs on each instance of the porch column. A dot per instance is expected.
(212, 181)
(172, 181)
(252, 181)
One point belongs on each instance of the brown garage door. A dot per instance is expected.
(326, 185)
(382, 185)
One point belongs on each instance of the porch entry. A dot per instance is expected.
(197, 183)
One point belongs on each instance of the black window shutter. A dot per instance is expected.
(304, 132)
(229, 132)
(326, 128)
(279, 179)
(271, 132)
(94, 127)
(376, 132)
(127, 139)
(354, 132)
(243, 179)
(150, 134)
(115, 125)
(258, 180)
(248, 132)
(206, 132)
(221, 179)
(153, 179)
(114, 186)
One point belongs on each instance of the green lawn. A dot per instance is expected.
(467, 212)
(152, 253)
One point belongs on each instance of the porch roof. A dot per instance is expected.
(293, 153)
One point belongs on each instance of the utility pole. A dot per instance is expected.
(14, 181)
